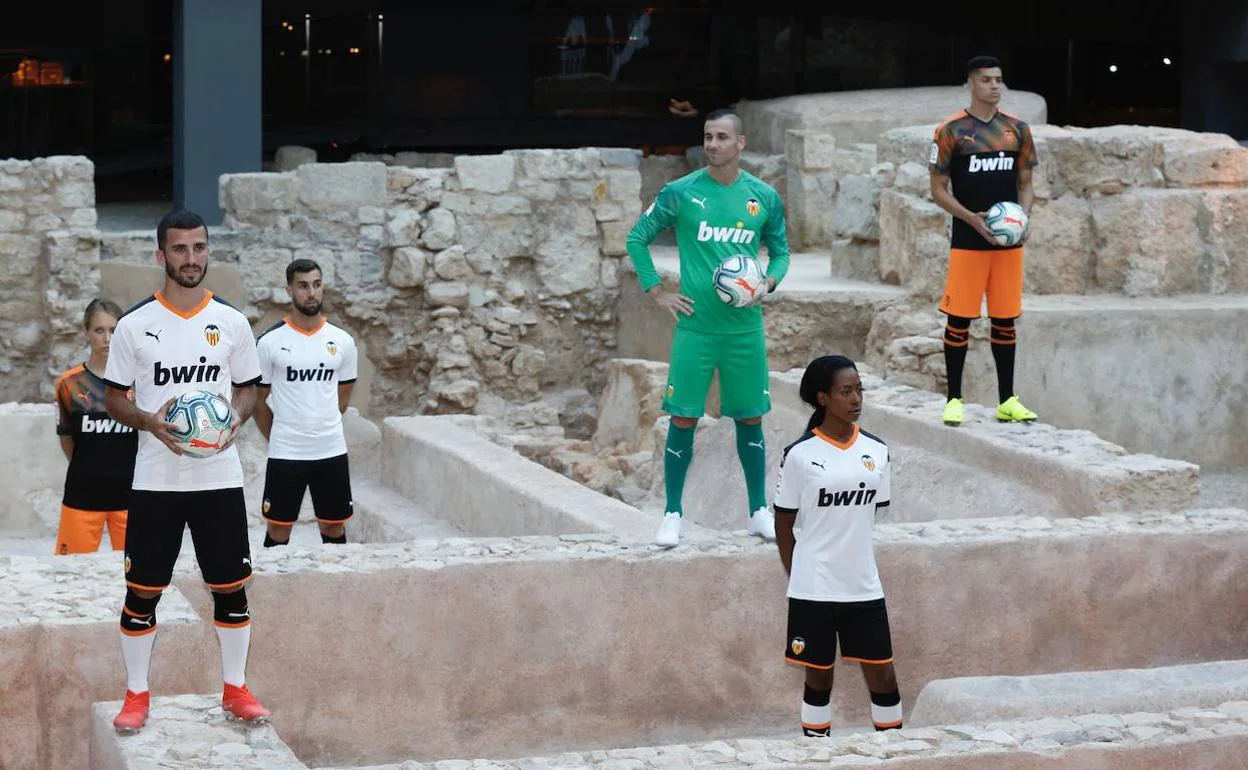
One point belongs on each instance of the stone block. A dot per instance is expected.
(438, 229)
(12, 221)
(1089, 160)
(630, 405)
(914, 242)
(913, 179)
(621, 157)
(1060, 254)
(856, 211)
(911, 144)
(1191, 159)
(614, 236)
(451, 264)
(809, 208)
(624, 185)
(241, 194)
(855, 260)
(342, 185)
(407, 267)
(1228, 235)
(809, 150)
(1150, 242)
(290, 157)
(76, 194)
(658, 170)
(556, 164)
(447, 293)
(403, 229)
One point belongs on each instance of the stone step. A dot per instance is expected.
(968, 700)
(382, 515)
(187, 731)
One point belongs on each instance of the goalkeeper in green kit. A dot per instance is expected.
(718, 211)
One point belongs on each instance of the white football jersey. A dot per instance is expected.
(303, 371)
(162, 353)
(835, 489)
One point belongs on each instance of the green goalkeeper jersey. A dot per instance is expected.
(713, 221)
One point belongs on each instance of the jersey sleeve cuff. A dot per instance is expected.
(347, 382)
(264, 384)
(253, 381)
(782, 509)
(882, 505)
(116, 385)
(62, 430)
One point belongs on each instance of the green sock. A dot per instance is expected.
(753, 454)
(676, 459)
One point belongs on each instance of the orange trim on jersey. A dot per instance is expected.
(868, 662)
(235, 584)
(144, 632)
(278, 523)
(147, 588)
(955, 116)
(836, 443)
(796, 662)
(223, 624)
(304, 332)
(160, 297)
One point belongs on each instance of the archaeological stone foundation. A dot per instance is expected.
(1068, 594)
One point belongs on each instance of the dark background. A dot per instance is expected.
(473, 77)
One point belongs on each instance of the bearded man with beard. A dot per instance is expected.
(308, 368)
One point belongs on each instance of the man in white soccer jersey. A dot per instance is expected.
(180, 339)
(307, 371)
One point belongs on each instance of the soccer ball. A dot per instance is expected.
(738, 279)
(1008, 223)
(201, 422)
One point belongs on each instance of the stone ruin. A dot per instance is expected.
(506, 607)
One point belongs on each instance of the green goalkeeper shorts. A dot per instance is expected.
(741, 359)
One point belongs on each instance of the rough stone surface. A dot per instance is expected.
(291, 157)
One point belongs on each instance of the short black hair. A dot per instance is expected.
(729, 114)
(981, 63)
(177, 220)
(301, 266)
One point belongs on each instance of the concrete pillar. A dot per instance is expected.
(216, 98)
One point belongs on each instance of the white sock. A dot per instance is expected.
(886, 716)
(816, 717)
(137, 652)
(234, 644)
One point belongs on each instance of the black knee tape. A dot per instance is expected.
(817, 697)
(957, 331)
(231, 609)
(341, 539)
(138, 615)
(886, 699)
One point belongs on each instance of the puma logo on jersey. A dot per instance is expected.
(758, 444)
(700, 201)
(156, 335)
(859, 496)
(819, 463)
(203, 372)
(674, 452)
(286, 349)
(319, 374)
(724, 234)
(103, 425)
(1001, 162)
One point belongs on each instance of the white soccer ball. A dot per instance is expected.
(201, 422)
(1008, 223)
(738, 280)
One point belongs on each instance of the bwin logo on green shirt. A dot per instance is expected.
(724, 234)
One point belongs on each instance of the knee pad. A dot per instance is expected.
(138, 615)
(230, 610)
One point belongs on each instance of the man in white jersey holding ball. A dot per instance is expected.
(308, 368)
(183, 338)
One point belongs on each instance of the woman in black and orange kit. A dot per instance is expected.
(100, 450)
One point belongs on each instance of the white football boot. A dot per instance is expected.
(669, 530)
(763, 524)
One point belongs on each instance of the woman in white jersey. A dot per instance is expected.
(832, 481)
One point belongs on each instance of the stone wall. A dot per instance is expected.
(47, 221)
(465, 286)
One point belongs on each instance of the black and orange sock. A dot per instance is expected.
(886, 710)
(957, 336)
(1003, 347)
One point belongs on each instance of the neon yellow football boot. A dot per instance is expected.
(1012, 410)
(953, 412)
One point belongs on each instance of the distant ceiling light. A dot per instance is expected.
(381, 17)
(1113, 68)
(329, 50)
(1165, 60)
(167, 57)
